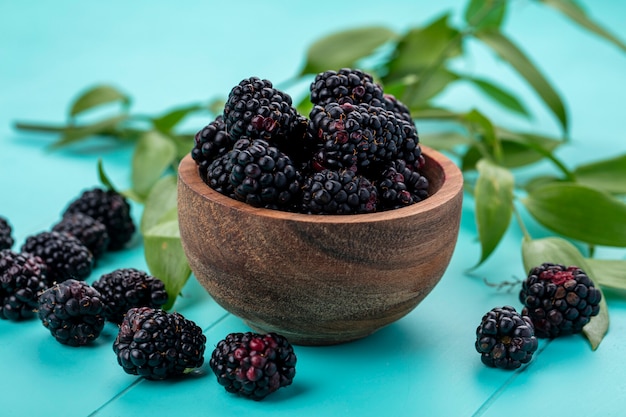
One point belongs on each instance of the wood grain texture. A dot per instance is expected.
(319, 279)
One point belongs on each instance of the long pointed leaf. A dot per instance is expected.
(608, 174)
(153, 153)
(609, 272)
(499, 95)
(481, 14)
(97, 96)
(73, 134)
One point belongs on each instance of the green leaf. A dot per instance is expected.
(166, 122)
(556, 250)
(510, 53)
(481, 125)
(416, 93)
(608, 175)
(521, 149)
(572, 10)
(183, 142)
(343, 49)
(73, 134)
(160, 201)
(166, 259)
(579, 212)
(483, 14)
(97, 96)
(445, 141)
(494, 205)
(104, 178)
(153, 153)
(609, 273)
(499, 95)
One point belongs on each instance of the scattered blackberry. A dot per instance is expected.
(125, 288)
(559, 300)
(22, 278)
(505, 339)
(345, 86)
(157, 345)
(6, 239)
(263, 176)
(338, 192)
(88, 230)
(72, 311)
(65, 256)
(253, 365)
(110, 208)
(256, 109)
(401, 186)
(355, 136)
(210, 143)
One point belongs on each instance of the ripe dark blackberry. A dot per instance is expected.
(109, 208)
(210, 143)
(125, 288)
(92, 233)
(263, 176)
(338, 192)
(73, 312)
(397, 107)
(22, 278)
(345, 86)
(355, 136)
(253, 365)
(505, 339)
(6, 238)
(400, 186)
(65, 256)
(559, 300)
(256, 109)
(157, 345)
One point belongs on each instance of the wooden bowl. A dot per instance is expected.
(319, 279)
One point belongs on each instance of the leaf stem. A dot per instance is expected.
(521, 224)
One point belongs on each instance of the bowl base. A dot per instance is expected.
(310, 340)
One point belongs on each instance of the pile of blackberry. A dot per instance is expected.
(263, 152)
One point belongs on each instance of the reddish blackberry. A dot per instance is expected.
(109, 208)
(88, 230)
(256, 109)
(157, 345)
(400, 186)
(6, 239)
(210, 143)
(72, 311)
(345, 86)
(253, 365)
(338, 192)
(22, 278)
(505, 339)
(125, 288)
(263, 176)
(559, 300)
(355, 136)
(65, 256)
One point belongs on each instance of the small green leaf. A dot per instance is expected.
(579, 212)
(556, 250)
(573, 11)
(166, 122)
(445, 141)
(153, 153)
(73, 134)
(97, 96)
(166, 259)
(435, 113)
(482, 14)
(494, 205)
(343, 49)
(521, 149)
(416, 93)
(183, 142)
(104, 178)
(510, 53)
(481, 125)
(499, 95)
(609, 273)
(608, 174)
(160, 200)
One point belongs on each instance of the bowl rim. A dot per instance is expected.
(452, 184)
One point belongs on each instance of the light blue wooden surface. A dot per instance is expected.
(168, 53)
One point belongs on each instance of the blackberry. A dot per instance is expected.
(345, 86)
(210, 143)
(125, 288)
(22, 278)
(157, 345)
(73, 312)
(263, 176)
(397, 107)
(6, 238)
(65, 256)
(505, 339)
(256, 109)
(400, 186)
(253, 365)
(355, 136)
(109, 208)
(559, 300)
(92, 233)
(338, 192)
